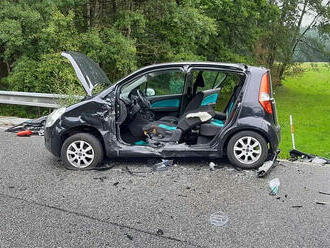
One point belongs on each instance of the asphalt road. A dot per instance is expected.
(44, 205)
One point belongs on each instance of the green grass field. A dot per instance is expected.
(307, 98)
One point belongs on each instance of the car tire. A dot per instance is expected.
(82, 151)
(247, 150)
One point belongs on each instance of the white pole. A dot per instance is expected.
(292, 133)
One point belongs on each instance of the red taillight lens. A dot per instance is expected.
(264, 94)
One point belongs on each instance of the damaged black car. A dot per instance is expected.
(171, 110)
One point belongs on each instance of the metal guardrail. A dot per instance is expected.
(32, 99)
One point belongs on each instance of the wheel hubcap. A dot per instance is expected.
(80, 154)
(247, 150)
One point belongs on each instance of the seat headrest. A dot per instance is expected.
(200, 80)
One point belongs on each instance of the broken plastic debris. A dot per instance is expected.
(319, 160)
(219, 219)
(36, 126)
(24, 133)
(160, 232)
(321, 203)
(212, 166)
(324, 193)
(273, 185)
(295, 154)
(162, 166)
(130, 237)
(267, 166)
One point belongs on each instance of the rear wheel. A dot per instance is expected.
(247, 150)
(82, 151)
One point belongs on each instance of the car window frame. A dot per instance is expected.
(140, 75)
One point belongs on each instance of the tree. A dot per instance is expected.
(289, 31)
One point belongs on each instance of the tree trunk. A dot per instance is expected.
(88, 14)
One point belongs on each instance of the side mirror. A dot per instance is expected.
(150, 92)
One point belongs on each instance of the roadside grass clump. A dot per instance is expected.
(307, 98)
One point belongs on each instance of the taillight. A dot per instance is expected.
(264, 94)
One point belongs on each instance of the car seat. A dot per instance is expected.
(195, 102)
(171, 132)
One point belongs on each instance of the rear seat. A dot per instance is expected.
(208, 130)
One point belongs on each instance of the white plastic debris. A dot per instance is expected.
(318, 160)
(273, 185)
(219, 219)
(212, 166)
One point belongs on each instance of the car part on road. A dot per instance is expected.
(273, 185)
(324, 193)
(219, 219)
(163, 166)
(82, 151)
(321, 203)
(295, 155)
(247, 150)
(24, 133)
(35, 126)
(267, 166)
(212, 166)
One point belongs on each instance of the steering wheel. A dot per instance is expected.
(143, 100)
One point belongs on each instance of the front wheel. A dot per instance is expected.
(247, 150)
(82, 151)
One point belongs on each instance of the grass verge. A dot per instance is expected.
(307, 98)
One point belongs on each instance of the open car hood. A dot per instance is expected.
(88, 72)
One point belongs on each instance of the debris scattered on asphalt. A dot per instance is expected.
(268, 165)
(135, 173)
(35, 126)
(100, 178)
(273, 185)
(25, 133)
(297, 206)
(319, 160)
(219, 219)
(212, 166)
(160, 232)
(103, 168)
(163, 166)
(324, 193)
(130, 237)
(295, 155)
(321, 203)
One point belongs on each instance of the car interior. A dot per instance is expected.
(174, 106)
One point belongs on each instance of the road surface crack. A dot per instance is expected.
(99, 220)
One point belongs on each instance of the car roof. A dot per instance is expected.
(228, 66)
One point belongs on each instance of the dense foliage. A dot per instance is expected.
(122, 35)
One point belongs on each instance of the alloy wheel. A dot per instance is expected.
(247, 150)
(80, 154)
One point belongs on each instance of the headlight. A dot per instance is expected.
(54, 116)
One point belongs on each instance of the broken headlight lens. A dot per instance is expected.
(56, 114)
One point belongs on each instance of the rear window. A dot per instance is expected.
(226, 91)
(212, 79)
